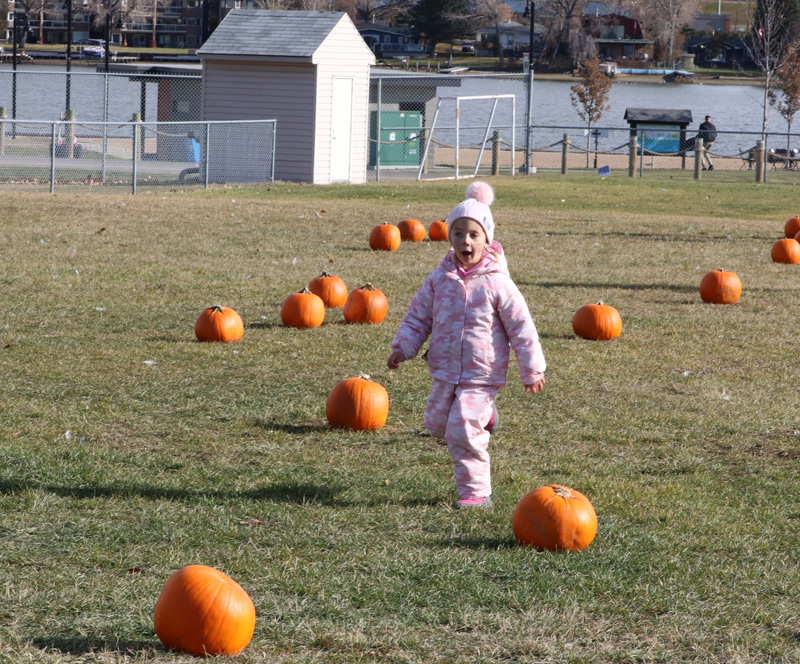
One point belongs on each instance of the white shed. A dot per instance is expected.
(307, 70)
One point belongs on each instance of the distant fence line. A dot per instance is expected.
(45, 156)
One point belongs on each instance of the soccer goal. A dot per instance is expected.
(444, 103)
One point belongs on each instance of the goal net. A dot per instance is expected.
(456, 150)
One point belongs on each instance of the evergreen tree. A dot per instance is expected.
(439, 21)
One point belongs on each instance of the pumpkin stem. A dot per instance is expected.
(305, 291)
(324, 274)
(367, 286)
(563, 492)
(364, 376)
(599, 303)
(216, 307)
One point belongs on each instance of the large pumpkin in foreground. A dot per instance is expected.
(219, 323)
(357, 403)
(366, 305)
(720, 287)
(597, 321)
(554, 518)
(204, 612)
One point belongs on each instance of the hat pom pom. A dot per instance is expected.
(481, 192)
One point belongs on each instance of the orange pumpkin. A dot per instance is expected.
(366, 305)
(219, 323)
(554, 518)
(797, 237)
(384, 237)
(786, 251)
(330, 289)
(411, 230)
(438, 231)
(791, 227)
(597, 321)
(303, 310)
(720, 287)
(358, 403)
(204, 612)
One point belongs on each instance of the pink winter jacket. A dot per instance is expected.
(471, 320)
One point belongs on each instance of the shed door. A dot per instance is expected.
(341, 129)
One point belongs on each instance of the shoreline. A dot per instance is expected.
(657, 78)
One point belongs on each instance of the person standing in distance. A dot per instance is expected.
(708, 132)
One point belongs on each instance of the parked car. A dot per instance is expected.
(467, 47)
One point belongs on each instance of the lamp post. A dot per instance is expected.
(530, 11)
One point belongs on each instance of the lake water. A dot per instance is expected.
(733, 107)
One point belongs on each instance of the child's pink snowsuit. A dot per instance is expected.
(471, 320)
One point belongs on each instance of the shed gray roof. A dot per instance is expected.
(658, 115)
(290, 34)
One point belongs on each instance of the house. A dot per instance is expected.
(714, 23)
(617, 35)
(514, 36)
(714, 51)
(307, 70)
(388, 41)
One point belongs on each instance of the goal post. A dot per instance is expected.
(489, 124)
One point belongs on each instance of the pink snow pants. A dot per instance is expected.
(459, 413)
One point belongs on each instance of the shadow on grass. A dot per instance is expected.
(82, 645)
(263, 325)
(634, 287)
(309, 427)
(482, 543)
(677, 237)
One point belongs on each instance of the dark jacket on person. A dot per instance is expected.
(708, 132)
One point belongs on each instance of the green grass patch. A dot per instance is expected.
(129, 450)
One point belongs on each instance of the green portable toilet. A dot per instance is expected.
(400, 138)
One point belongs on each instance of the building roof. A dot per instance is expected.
(262, 32)
(658, 116)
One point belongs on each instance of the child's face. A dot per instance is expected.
(468, 239)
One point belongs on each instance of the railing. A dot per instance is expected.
(45, 156)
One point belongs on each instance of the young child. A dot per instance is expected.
(472, 310)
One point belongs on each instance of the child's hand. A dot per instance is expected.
(395, 359)
(535, 387)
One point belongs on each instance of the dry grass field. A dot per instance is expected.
(129, 450)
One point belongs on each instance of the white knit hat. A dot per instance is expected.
(480, 196)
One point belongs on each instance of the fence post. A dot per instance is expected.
(208, 152)
(69, 135)
(137, 137)
(378, 115)
(496, 153)
(3, 117)
(632, 144)
(699, 149)
(53, 158)
(759, 154)
(564, 154)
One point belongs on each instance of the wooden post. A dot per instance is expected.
(423, 144)
(69, 135)
(564, 154)
(698, 158)
(759, 155)
(3, 116)
(632, 145)
(496, 153)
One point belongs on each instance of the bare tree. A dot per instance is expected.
(33, 10)
(664, 22)
(590, 97)
(492, 12)
(370, 11)
(773, 26)
(566, 19)
(789, 81)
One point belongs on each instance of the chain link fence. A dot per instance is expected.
(50, 156)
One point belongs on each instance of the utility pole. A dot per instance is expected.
(530, 11)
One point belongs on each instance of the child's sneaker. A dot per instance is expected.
(472, 503)
(494, 420)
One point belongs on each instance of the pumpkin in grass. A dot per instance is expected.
(597, 321)
(791, 227)
(554, 518)
(720, 287)
(786, 251)
(303, 309)
(366, 305)
(330, 289)
(438, 231)
(411, 230)
(384, 237)
(357, 403)
(219, 323)
(204, 612)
